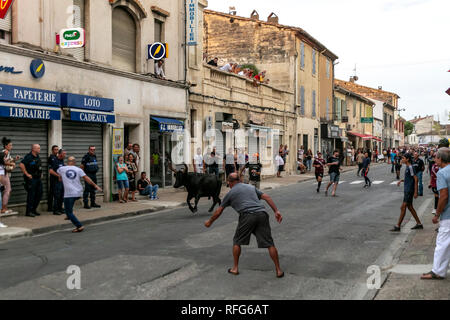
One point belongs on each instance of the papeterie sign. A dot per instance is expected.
(192, 22)
(29, 95)
(71, 38)
(4, 7)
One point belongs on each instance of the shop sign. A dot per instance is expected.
(333, 131)
(192, 22)
(170, 127)
(4, 7)
(87, 102)
(366, 120)
(117, 143)
(32, 113)
(71, 38)
(157, 51)
(29, 95)
(92, 117)
(37, 68)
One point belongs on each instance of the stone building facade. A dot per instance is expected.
(293, 59)
(112, 68)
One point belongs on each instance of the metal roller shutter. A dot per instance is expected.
(23, 134)
(78, 53)
(5, 24)
(76, 139)
(123, 40)
(275, 146)
(220, 148)
(252, 142)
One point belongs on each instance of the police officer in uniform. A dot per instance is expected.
(90, 166)
(53, 180)
(58, 188)
(31, 167)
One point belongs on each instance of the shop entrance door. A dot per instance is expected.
(161, 147)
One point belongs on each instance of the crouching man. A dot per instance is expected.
(253, 218)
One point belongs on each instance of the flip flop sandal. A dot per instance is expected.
(233, 273)
(433, 275)
(78, 230)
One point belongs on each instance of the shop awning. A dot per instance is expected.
(92, 116)
(357, 134)
(32, 112)
(169, 124)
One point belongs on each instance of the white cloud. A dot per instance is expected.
(399, 44)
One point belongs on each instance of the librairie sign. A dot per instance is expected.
(87, 102)
(4, 7)
(29, 112)
(29, 95)
(71, 38)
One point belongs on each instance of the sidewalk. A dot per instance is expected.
(403, 282)
(22, 226)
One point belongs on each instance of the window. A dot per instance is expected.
(302, 100)
(123, 40)
(193, 118)
(338, 109)
(335, 108)
(159, 31)
(5, 29)
(302, 55)
(314, 103)
(328, 69)
(328, 109)
(344, 108)
(360, 110)
(354, 109)
(314, 62)
(78, 22)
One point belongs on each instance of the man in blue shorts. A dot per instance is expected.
(335, 172)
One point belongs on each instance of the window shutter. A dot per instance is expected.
(338, 109)
(5, 24)
(302, 55)
(78, 22)
(314, 103)
(354, 109)
(328, 109)
(123, 40)
(314, 61)
(302, 100)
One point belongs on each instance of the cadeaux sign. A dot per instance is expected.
(4, 7)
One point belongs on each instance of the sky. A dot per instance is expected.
(401, 45)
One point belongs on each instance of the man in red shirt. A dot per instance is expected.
(319, 164)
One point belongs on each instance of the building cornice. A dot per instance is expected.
(64, 60)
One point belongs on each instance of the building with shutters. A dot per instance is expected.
(228, 111)
(75, 97)
(294, 60)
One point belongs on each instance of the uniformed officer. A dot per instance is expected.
(31, 167)
(90, 166)
(58, 188)
(53, 180)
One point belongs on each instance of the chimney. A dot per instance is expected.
(232, 11)
(352, 79)
(254, 15)
(380, 88)
(273, 18)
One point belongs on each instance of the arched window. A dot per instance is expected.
(123, 40)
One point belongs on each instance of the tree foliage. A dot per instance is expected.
(409, 127)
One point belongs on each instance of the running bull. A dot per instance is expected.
(198, 186)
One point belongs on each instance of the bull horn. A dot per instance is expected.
(171, 167)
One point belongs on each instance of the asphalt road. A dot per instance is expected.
(325, 244)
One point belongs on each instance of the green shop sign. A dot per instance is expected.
(71, 35)
(366, 120)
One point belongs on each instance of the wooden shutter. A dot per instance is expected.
(78, 22)
(314, 103)
(302, 54)
(123, 41)
(302, 100)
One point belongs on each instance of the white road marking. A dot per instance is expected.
(357, 182)
(395, 182)
(411, 268)
(340, 182)
(377, 182)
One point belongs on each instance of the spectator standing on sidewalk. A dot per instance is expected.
(198, 161)
(214, 165)
(53, 180)
(419, 168)
(410, 193)
(128, 149)
(132, 172)
(228, 163)
(393, 155)
(31, 167)
(73, 190)
(136, 155)
(122, 180)
(279, 163)
(58, 188)
(309, 156)
(433, 183)
(89, 165)
(442, 251)
(7, 165)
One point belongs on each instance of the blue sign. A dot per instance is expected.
(29, 95)
(157, 51)
(9, 70)
(37, 68)
(29, 112)
(87, 102)
(92, 117)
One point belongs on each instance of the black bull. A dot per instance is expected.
(198, 185)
